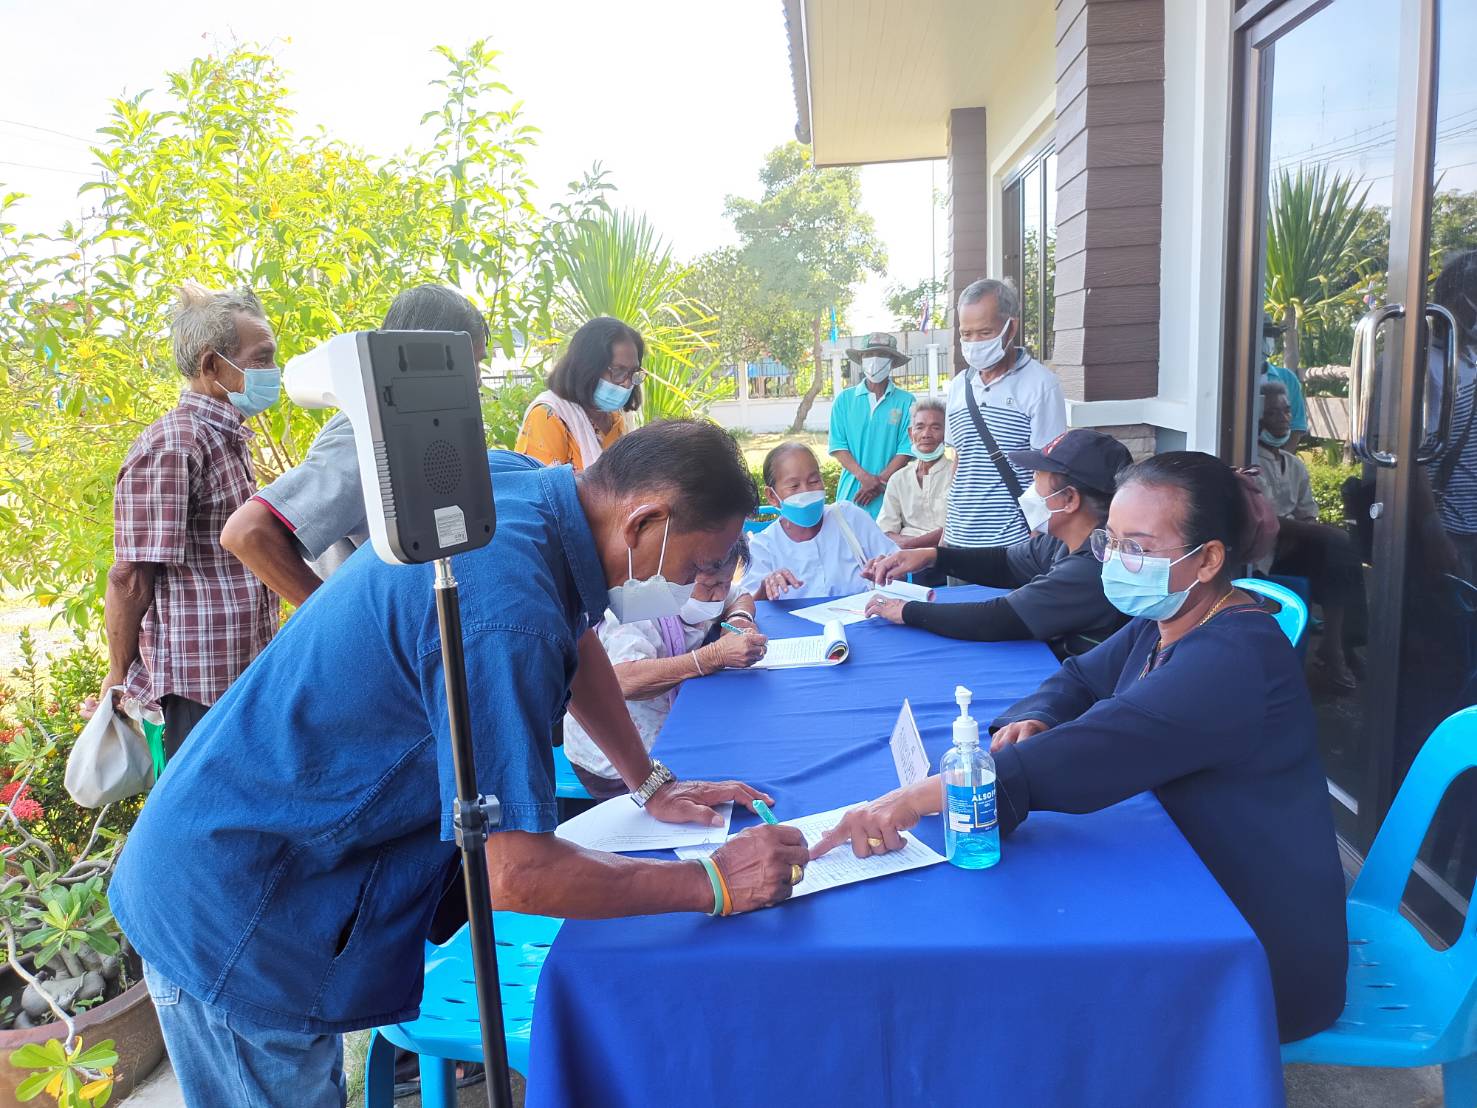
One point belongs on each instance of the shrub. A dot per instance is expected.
(503, 408)
(1327, 476)
(830, 475)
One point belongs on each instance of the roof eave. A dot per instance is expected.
(799, 66)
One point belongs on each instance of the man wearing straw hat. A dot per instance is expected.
(869, 424)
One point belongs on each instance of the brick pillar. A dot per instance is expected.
(1109, 145)
(969, 210)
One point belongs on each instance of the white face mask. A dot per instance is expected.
(695, 613)
(651, 598)
(1035, 509)
(876, 369)
(982, 355)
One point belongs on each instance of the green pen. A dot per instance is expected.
(730, 627)
(764, 813)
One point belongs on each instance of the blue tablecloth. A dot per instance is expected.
(1098, 964)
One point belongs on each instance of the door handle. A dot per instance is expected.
(1433, 448)
(1362, 380)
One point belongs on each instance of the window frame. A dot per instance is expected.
(1013, 244)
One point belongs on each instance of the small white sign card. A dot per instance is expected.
(907, 748)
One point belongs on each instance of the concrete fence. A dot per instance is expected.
(767, 415)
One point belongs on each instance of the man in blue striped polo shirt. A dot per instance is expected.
(1020, 402)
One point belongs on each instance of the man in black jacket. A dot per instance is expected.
(1058, 593)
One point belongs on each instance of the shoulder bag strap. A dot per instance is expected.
(1002, 463)
(1447, 466)
(851, 539)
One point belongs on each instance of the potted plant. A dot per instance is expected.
(76, 1022)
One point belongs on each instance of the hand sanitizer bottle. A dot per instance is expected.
(971, 831)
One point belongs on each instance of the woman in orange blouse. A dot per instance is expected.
(592, 386)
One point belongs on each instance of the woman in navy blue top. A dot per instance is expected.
(1200, 699)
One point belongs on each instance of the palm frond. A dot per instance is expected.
(618, 265)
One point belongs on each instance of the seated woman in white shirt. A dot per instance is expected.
(653, 657)
(813, 549)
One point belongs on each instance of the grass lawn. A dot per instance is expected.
(755, 446)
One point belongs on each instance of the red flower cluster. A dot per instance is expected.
(25, 806)
(9, 734)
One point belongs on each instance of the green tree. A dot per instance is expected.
(754, 321)
(809, 241)
(208, 182)
(907, 304)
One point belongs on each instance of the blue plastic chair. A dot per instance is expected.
(446, 1031)
(1293, 615)
(761, 519)
(1408, 1004)
(566, 784)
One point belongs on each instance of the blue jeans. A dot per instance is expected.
(225, 1061)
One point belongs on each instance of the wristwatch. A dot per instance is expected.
(658, 777)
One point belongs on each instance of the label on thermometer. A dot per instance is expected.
(971, 808)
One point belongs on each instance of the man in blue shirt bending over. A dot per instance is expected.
(280, 882)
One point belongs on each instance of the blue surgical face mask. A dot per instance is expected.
(804, 509)
(1275, 440)
(611, 398)
(260, 391)
(1145, 594)
(930, 455)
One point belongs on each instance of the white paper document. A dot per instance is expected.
(618, 825)
(688, 853)
(847, 610)
(841, 867)
(907, 748)
(829, 648)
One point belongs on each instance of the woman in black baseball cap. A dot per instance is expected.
(1058, 591)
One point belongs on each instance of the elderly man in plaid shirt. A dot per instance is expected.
(184, 617)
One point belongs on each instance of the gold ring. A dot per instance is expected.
(796, 874)
(875, 844)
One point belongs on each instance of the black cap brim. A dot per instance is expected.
(1035, 460)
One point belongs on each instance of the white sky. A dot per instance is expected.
(679, 99)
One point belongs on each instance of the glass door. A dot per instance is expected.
(1323, 106)
(1356, 285)
(1437, 671)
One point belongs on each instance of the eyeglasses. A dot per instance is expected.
(625, 377)
(1130, 553)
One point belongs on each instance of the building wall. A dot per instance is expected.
(1192, 289)
(1110, 143)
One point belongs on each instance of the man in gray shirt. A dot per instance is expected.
(1058, 591)
(315, 511)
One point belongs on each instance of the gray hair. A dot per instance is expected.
(929, 404)
(1007, 300)
(205, 321)
(1273, 388)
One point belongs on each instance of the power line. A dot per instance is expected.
(47, 168)
(48, 130)
(1372, 137)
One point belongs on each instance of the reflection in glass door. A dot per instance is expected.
(1438, 650)
(1357, 266)
(1327, 132)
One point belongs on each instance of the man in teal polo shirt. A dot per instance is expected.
(869, 424)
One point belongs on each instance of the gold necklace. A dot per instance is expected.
(1149, 662)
